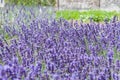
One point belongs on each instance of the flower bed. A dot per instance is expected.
(60, 50)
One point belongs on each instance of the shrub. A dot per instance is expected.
(96, 15)
(32, 2)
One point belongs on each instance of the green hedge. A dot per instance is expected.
(96, 15)
(32, 2)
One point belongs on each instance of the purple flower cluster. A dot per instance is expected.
(61, 50)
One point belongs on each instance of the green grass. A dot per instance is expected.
(97, 15)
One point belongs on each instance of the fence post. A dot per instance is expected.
(99, 3)
(57, 4)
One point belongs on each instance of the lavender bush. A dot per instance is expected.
(14, 14)
(60, 50)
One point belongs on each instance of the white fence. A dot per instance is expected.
(89, 4)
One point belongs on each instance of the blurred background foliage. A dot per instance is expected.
(96, 15)
(32, 2)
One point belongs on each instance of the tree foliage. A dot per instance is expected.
(32, 2)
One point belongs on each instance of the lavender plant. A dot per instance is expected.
(60, 50)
